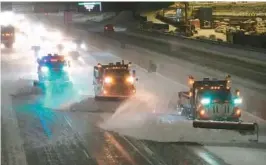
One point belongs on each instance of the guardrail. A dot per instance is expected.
(207, 47)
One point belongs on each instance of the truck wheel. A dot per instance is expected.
(97, 98)
(9, 46)
(35, 83)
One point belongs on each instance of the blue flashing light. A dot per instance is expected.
(44, 69)
(205, 101)
(237, 101)
(65, 68)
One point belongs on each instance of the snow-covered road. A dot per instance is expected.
(41, 128)
(63, 128)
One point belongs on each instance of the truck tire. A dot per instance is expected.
(97, 98)
(9, 46)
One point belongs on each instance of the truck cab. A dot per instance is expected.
(211, 100)
(114, 81)
(53, 68)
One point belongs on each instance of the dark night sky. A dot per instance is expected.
(118, 6)
(115, 6)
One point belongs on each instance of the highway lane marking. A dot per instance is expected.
(68, 121)
(86, 154)
(148, 150)
(205, 155)
(132, 145)
(152, 154)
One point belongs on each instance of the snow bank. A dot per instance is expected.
(13, 145)
(123, 17)
(241, 54)
(123, 21)
(248, 155)
(81, 18)
(119, 29)
(12, 86)
(167, 128)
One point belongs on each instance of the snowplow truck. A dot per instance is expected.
(7, 36)
(210, 103)
(114, 81)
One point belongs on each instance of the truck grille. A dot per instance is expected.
(220, 109)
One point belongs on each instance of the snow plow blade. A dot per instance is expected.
(239, 126)
(243, 128)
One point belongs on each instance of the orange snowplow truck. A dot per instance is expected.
(114, 80)
(211, 104)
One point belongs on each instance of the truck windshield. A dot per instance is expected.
(7, 29)
(117, 72)
(221, 95)
(55, 65)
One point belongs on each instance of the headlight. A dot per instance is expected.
(237, 101)
(202, 112)
(65, 68)
(44, 69)
(238, 112)
(205, 101)
(83, 46)
(2, 46)
(108, 80)
(130, 79)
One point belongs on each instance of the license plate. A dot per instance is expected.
(54, 60)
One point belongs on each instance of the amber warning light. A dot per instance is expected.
(190, 80)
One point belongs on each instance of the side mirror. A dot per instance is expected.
(134, 73)
(137, 79)
(237, 92)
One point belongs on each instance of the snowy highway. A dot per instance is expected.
(64, 128)
(70, 127)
